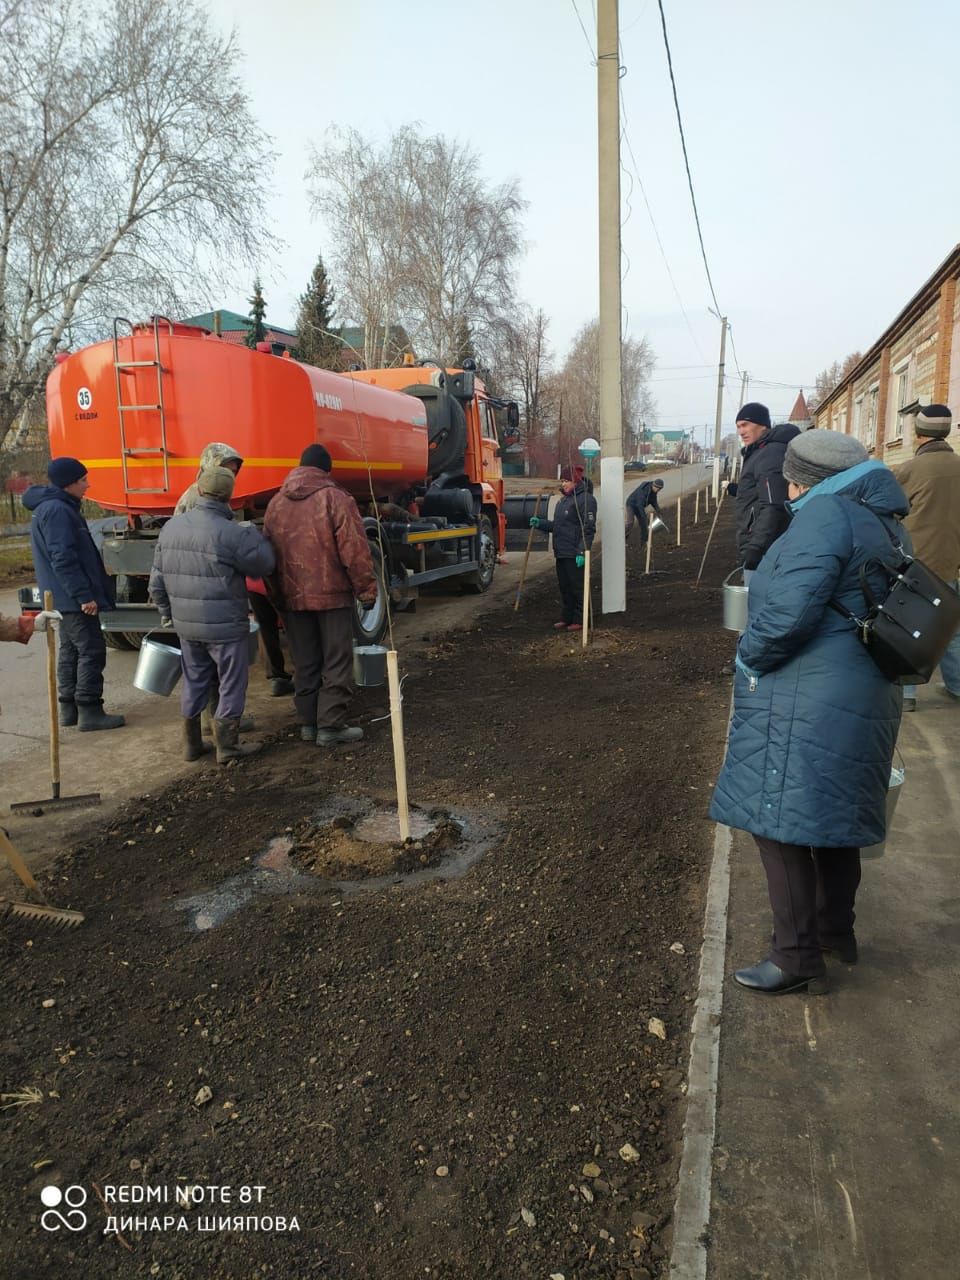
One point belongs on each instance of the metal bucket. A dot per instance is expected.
(158, 668)
(893, 795)
(734, 604)
(252, 640)
(369, 665)
(657, 525)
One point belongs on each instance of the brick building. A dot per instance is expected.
(917, 358)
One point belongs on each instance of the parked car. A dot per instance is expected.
(635, 465)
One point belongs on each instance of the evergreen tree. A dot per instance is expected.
(315, 343)
(258, 309)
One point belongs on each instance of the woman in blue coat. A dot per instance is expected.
(814, 720)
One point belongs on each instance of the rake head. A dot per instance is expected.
(53, 917)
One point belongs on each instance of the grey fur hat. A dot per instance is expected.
(814, 455)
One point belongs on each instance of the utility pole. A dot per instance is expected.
(744, 384)
(614, 577)
(716, 433)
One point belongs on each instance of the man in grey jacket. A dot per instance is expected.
(198, 583)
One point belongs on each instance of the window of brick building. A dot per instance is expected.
(869, 420)
(898, 398)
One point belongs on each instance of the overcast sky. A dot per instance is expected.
(821, 133)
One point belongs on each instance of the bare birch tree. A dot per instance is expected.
(418, 238)
(522, 361)
(367, 197)
(130, 166)
(579, 384)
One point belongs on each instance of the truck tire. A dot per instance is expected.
(480, 581)
(119, 640)
(369, 625)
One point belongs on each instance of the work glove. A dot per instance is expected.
(47, 618)
(581, 561)
(534, 522)
(166, 622)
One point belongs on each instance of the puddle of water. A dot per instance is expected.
(272, 871)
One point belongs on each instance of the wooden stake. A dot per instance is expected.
(709, 540)
(526, 558)
(649, 542)
(399, 754)
(52, 700)
(696, 508)
(679, 511)
(585, 628)
(706, 500)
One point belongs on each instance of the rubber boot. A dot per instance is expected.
(226, 734)
(193, 744)
(210, 713)
(91, 716)
(68, 713)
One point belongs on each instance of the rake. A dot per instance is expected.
(56, 917)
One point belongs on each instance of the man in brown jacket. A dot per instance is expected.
(931, 480)
(323, 565)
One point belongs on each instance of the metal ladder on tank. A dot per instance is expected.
(119, 366)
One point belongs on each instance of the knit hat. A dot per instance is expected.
(756, 413)
(933, 420)
(658, 484)
(216, 482)
(315, 455)
(65, 471)
(573, 474)
(814, 455)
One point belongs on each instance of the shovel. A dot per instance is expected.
(42, 911)
(55, 799)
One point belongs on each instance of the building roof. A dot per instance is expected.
(233, 322)
(238, 337)
(917, 304)
(799, 412)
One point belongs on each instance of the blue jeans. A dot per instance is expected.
(949, 665)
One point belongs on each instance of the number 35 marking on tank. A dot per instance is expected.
(327, 402)
(84, 397)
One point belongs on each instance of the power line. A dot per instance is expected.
(584, 30)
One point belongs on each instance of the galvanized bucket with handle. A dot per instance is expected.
(734, 603)
(893, 795)
(158, 668)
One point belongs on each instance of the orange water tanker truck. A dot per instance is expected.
(416, 446)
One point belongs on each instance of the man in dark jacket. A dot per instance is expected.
(198, 582)
(68, 564)
(323, 566)
(645, 495)
(931, 481)
(573, 526)
(761, 490)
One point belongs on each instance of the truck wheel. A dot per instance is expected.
(118, 640)
(369, 625)
(480, 581)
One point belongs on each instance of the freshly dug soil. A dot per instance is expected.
(454, 1074)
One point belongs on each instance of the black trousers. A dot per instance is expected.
(271, 650)
(80, 662)
(812, 893)
(570, 579)
(321, 645)
(638, 518)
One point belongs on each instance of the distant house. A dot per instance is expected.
(800, 415)
(233, 327)
(916, 358)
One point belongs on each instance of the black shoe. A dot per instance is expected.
(339, 737)
(280, 686)
(308, 733)
(769, 979)
(845, 951)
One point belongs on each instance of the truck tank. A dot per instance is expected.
(137, 411)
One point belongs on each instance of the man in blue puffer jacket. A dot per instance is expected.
(815, 720)
(68, 564)
(198, 582)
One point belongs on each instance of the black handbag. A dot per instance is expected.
(907, 632)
